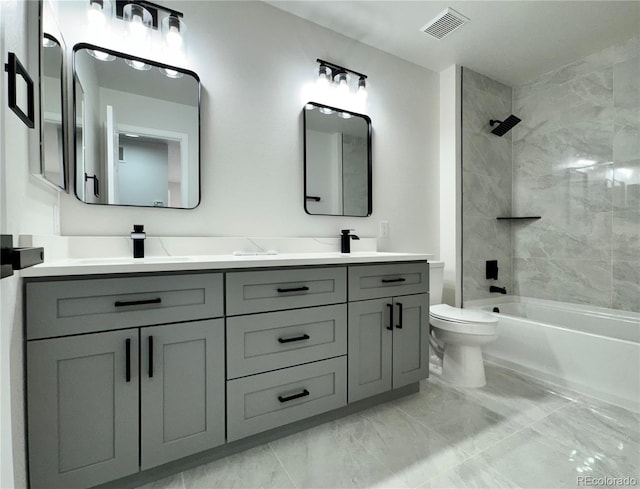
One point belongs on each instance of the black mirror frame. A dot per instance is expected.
(63, 114)
(307, 197)
(157, 64)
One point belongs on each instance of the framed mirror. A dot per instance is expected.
(136, 132)
(337, 162)
(53, 154)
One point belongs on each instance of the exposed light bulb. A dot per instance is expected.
(136, 26)
(362, 88)
(174, 38)
(323, 76)
(96, 15)
(101, 55)
(343, 85)
(345, 115)
(326, 110)
(48, 43)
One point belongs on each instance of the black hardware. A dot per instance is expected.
(399, 325)
(390, 307)
(127, 355)
(509, 218)
(150, 6)
(336, 69)
(496, 309)
(293, 289)
(17, 258)
(345, 240)
(304, 393)
(502, 290)
(96, 183)
(491, 271)
(138, 236)
(157, 300)
(150, 357)
(15, 68)
(393, 280)
(297, 338)
(314, 198)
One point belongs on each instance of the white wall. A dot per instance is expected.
(26, 206)
(450, 169)
(254, 61)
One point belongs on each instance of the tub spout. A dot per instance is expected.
(502, 290)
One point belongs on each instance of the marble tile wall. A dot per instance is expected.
(576, 162)
(486, 184)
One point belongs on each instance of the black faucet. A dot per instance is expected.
(345, 240)
(502, 290)
(138, 236)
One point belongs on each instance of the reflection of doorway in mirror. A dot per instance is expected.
(143, 170)
(175, 150)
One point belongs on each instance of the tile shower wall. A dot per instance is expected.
(486, 184)
(576, 162)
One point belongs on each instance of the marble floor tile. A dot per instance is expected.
(254, 468)
(524, 459)
(593, 438)
(333, 456)
(472, 474)
(461, 420)
(411, 451)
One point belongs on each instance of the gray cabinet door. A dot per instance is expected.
(182, 382)
(82, 409)
(369, 348)
(410, 339)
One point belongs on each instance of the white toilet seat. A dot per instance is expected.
(466, 321)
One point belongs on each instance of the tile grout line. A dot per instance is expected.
(282, 465)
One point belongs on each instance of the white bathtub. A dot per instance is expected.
(591, 350)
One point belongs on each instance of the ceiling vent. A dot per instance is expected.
(445, 23)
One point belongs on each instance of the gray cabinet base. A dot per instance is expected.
(192, 461)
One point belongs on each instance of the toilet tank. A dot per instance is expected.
(436, 274)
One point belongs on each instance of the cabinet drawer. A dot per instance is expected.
(266, 401)
(262, 342)
(268, 290)
(377, 281)
(81, 306)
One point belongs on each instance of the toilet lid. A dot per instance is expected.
(455, 314)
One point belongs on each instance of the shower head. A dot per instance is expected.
(504, 126)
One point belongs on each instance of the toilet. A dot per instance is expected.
(462, 332)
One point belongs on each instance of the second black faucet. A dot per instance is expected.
(345, 240)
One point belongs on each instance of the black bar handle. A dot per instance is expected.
(390, 307)
(393, 280)
(399, 325)
(297, 338)
(127, 360)
(313, 197)
(150, 357)
(157, 300)
(304, 393)
(294, 289)
(15, 68)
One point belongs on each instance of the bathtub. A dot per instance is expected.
(591, 350)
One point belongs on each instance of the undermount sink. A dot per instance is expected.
(123, 260)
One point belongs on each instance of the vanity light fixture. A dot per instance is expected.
(341, 76)
(140, 22)
(345, 115)
(326, 110)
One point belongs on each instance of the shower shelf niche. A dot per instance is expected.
(517, 218)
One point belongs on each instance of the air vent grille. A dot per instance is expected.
(445, 23)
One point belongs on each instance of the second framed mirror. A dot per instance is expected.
(337, 162)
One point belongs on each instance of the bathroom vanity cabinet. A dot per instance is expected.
(129, 372)
(388, 336)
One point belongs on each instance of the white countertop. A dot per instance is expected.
(93, 266)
